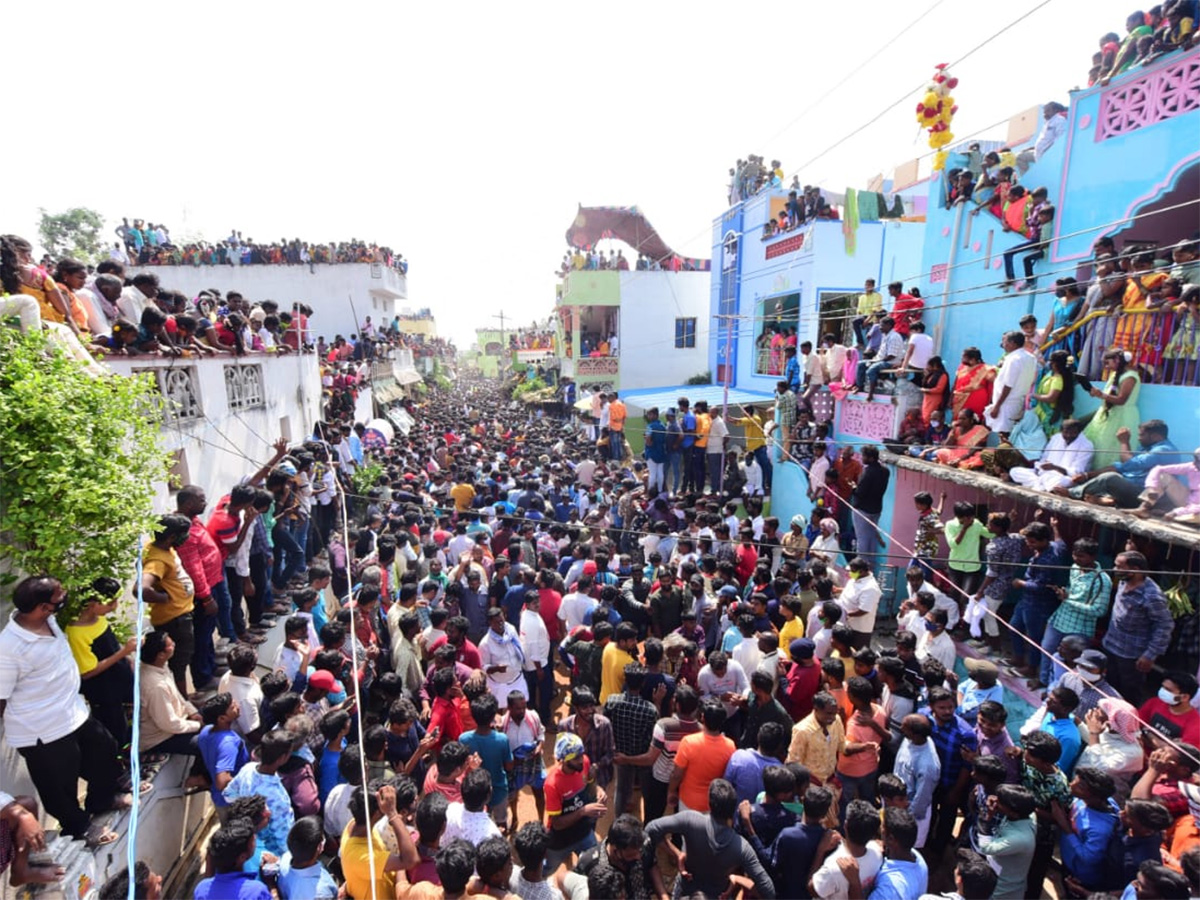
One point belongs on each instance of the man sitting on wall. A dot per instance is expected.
(1067, 454)
(1122, 482)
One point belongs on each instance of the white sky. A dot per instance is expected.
(464, 134)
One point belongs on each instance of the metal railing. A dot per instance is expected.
(1164, 345)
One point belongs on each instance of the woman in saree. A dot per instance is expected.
(777, 343)
(1098, 315)
(1054, 396)
(934, 382)
(967, 436)
(1068, 303)
(1135, 327)
(37, 283)
(972, 384)
(1118, 408)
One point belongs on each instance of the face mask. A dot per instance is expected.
(1167, 697)
(931, 626)
(1089, 677)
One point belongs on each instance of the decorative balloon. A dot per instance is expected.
(936, 111)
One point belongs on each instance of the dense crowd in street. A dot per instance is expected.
(524, 668)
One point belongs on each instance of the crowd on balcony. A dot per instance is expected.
(147, 244)
(1016, 420)
(1150, 35)
(542, 666)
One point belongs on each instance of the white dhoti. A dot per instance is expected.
(501, 689)
(1011, 411)
(1038, 480)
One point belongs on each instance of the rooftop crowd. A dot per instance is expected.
(593, 259)
(537, 669)
(1160, 30)
(146, 244)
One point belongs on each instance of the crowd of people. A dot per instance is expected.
(533, 670)
(146, 244)
(1162, 29)
(751, 175)
(593, 259)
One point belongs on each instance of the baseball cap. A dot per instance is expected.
(322, 680)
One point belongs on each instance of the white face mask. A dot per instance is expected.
(1167, 697)
(1087, 676)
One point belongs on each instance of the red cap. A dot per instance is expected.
(322, 680)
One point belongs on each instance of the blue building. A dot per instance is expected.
(1126, 166)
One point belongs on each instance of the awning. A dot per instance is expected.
(408, 376)
(714, 394)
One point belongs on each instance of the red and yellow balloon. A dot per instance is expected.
(936, 110)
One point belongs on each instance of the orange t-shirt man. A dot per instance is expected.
(616, 416)
(702, 757)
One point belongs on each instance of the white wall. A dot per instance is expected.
(650, 304)
(220, 445)
(326, 288)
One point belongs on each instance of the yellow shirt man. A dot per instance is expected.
(612, 671)
(463, 494)
(869, 302)
(755, 436)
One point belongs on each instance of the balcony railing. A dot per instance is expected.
(1164, 345)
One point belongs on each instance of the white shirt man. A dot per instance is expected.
(717, 433)
(535, 640)
(503, 650)
(39, 680)
(910, 621)
(940, 647)
(920, 350)
(861, 595)
(752, 472)
(585, 471)
(733, 681)
(1067, 454)
(1017, 372)
(892, 348)
(574, 607)
(132, 303)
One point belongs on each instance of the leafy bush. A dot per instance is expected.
(528, 387)
(81, 457)
(366, 476)
(702, 378)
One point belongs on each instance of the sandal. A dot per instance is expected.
(251, 638)
(98, 835)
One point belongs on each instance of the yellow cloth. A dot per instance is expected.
(612, 671)
(816, 749)
(165, 565)
(703, 423)
(868, 303)
(755, 436)
(791, 630)
(356, 866)
(463, 494)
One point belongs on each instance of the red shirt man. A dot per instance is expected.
(906, 308)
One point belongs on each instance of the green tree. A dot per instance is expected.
(79, 459)
(74, 233)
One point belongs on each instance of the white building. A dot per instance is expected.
(341, 295)
(660, 320)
